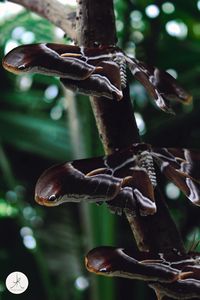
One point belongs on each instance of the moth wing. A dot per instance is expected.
(189, 161)
(182, 179)
(123, 202)
(188, 288)
(143, 191)
(160, 85)
(86, 180)
(88, 165)
(47, 59)
(103, 82)
(186, 161)
(112, 261)
(99, 183)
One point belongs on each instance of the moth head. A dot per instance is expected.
(104, 260)
(52, 184)
(17, 61)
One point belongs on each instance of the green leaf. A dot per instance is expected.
(7, 210)
(36, 135)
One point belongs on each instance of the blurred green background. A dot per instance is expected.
(42, 124)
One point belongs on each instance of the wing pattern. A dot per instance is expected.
(99, 71)
(124, 180)
(173, 275)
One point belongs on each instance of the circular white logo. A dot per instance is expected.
(17, 282)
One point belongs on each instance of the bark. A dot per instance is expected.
(60, 15)
(116, 123)
(95, 23)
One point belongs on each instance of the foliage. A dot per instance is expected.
(37, 129)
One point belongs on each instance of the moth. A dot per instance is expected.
(125, 180)
(174, 275)
(98, 71)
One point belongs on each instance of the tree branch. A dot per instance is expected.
(60, 15)
(117, 127)
(95, 23)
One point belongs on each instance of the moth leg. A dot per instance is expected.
(127, 181)
(137, 193)
(123, 202)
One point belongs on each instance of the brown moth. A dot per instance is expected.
(99, 71)
(125, 180)
(173, 274)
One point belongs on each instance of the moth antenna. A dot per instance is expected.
(71, 55)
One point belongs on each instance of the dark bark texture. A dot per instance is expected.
(95, 23)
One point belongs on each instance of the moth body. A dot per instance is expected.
(147, 163)
(121, 62)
